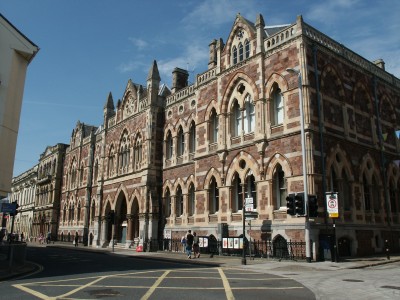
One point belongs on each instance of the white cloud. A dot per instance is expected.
(140, 44)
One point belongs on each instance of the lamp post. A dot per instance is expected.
(244, 227)
(303, 153)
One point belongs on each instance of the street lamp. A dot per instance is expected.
(303, 153)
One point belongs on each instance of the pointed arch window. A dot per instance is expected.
(346, 192)
(277, 106)
(137, 154)
(191, 200)
(169, 145)
(392, 195)
(181, 142)
(192, 138)
(280, 187)
(124, 153)
(81, 175)
(236, 194)
(96, 171)
(250, 189)
(240, 52)
(167, 207)
(78, 213)
(93, 212)
(248, 115)
(65, 213)
(247, 48)
(213, 197)
(376, 195)
(234, 55)
(178, 202)
(111, 162)
(214, 127)
(236, 119)
(366, 194)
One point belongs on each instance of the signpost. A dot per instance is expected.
(332, 206)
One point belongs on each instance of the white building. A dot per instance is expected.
(17, 51)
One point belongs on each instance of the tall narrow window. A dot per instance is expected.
(93, 212)
(213, 197)
(392, 196)
(191, 200)
(137, 153)
(236, 119)
(96, 171)
(247, 48)
(169, 146)
(250, 189)
(234, 55)
(240, 52)
(376, 195)
(178, 202)
(236, 195)
(192, 138)
(248, 115)
(181, 142)
(214, 127)
(278, 108)
(280, 189)
(111, 162)
(78, 213)
(366, 192)
(346, 192)
(167, 204)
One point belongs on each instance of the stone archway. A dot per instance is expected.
(133, 224)
(121, 223)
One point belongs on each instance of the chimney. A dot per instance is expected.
(380, 63)
(179, 79)
(212, 61)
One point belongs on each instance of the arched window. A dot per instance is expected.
(376, 195)
(280, 189)
(366, 194)
(234, 55)
(248, 115)
(93, 212)
(181, 142)
(111, 162)
(137, 154)
(277, 106)
(214, 126)
(124, 153)
(191, 200)
(65, 213)
(236, 194)
(192, 138)
(178, 202)
(167, 207)
(81, 175)
(213, 197)
(78, 213)
(240, 52)
(236, 119)
(168, 146)
(96, 171)
(247, 48)
(346, 192)
(250, 189)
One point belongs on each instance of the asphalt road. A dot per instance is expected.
(70, 274)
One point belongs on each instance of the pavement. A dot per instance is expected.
(264, 264)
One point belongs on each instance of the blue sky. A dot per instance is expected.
(90, 48)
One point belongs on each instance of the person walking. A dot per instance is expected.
(76, 240)
(189, 243)
(196, 247)
(183, 242)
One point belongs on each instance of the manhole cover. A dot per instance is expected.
(391, 287)
(353, 280)
(103, 293)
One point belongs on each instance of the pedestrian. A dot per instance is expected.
(183, 242)
(76, 240)
(189, 243)
(22, 237)
(196, 248)
(41, 238)
(48, 239)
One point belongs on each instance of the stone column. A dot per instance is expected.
(129, 233)
(96, 231)
(103, 232)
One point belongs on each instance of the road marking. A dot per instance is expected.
(81, 287)
(30, 291)
(155, 285)
(227, 287)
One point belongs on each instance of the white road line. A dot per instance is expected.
(227, 287)
(155, 285)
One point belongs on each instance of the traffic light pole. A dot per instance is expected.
(303, 153)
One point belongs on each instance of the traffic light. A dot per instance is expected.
(312, 206)
(290, 204)
(111, 217)
(299, 204)
(15, 203)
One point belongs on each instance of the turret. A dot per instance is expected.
(109, 109)
(260, 24)
(153, 83)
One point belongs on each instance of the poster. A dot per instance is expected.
(236, 243)
(230, 243)
(225, 243)
(205, 242)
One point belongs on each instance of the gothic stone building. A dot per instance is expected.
(48, 191)
(166, 161)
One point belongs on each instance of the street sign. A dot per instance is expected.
(248, 201)
(250, 215)
(8, 207)
(332, 205)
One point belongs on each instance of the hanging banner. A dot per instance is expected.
(332, 205)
